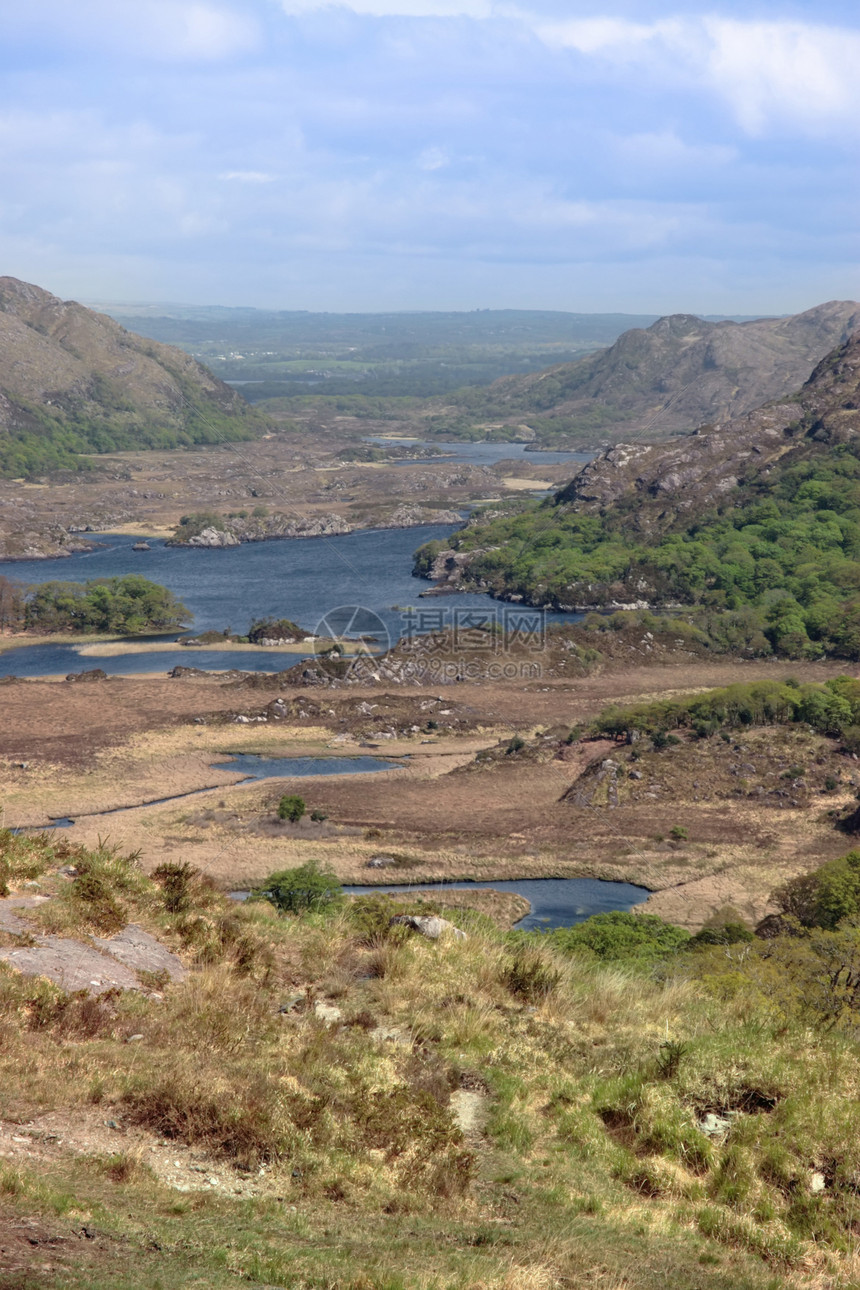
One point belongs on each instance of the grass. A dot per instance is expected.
(349, 1167)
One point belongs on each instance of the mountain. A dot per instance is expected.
(665, 379)
(753, 526)
(74, 381)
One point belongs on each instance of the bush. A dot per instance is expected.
(174, 879)
(825, 896)
(274, 629)
(619, 935)
(291, 808)
(530, 977)
(294, 890)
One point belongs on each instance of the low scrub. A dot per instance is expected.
(618, 1095)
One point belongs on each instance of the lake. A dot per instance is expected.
(482, 454)
(555, 902)
(298, 578)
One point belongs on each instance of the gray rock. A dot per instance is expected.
(716, 1125)
(429, 925)
(143, 953)
(212, 537)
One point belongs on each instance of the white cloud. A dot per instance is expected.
(247, 176)
(767, 68)
(433, 159)
(802, 73)
(397, 8)
(167, 30)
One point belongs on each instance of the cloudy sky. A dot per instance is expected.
(392, 154)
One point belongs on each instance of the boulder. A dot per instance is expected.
(429, 925)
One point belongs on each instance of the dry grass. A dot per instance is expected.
(591, 1168)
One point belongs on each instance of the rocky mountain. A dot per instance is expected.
(660, 485)
(679, 373)
(74, 381)
(758, 517)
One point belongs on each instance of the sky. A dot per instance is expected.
(646, 156)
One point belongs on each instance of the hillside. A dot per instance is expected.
(220, 1094)
(73, 381)
(759, 516)
(665, 379)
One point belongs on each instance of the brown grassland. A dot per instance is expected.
(328, 1102)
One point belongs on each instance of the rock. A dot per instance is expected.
(469, 1109)
(817, 1182)
(429, 925)
(137, 950)
(141, 546)
(715, 1125)
(381, 862)
(212, 537)
(94, 674)
(290, 1005)
(327, 1011)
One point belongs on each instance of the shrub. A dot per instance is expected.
(825, 896)
(274, 629)
(679, 833)
(294, 890)
(619, 935)
(291, 808)
(723, 934)
(174, 879)
(530, 977)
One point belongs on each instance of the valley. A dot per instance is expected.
(630, 670)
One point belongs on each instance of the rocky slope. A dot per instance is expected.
(677, 374)
(759, 508)
(72, 380)
(664, 483)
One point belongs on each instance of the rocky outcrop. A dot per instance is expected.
(234, 530)
(210, 537)
(660, 484)
(680, 373)
(408, 516)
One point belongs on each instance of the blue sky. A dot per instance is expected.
(433, 154)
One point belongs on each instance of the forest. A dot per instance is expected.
(127, 606)
(777, 566)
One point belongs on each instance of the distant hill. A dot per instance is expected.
(751, 526)
(73, 381)
(410, 354)
(679, 373)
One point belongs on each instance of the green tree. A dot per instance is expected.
(291, 807)
(293, 891)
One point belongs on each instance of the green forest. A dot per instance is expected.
(775, 569)
(126, 606)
